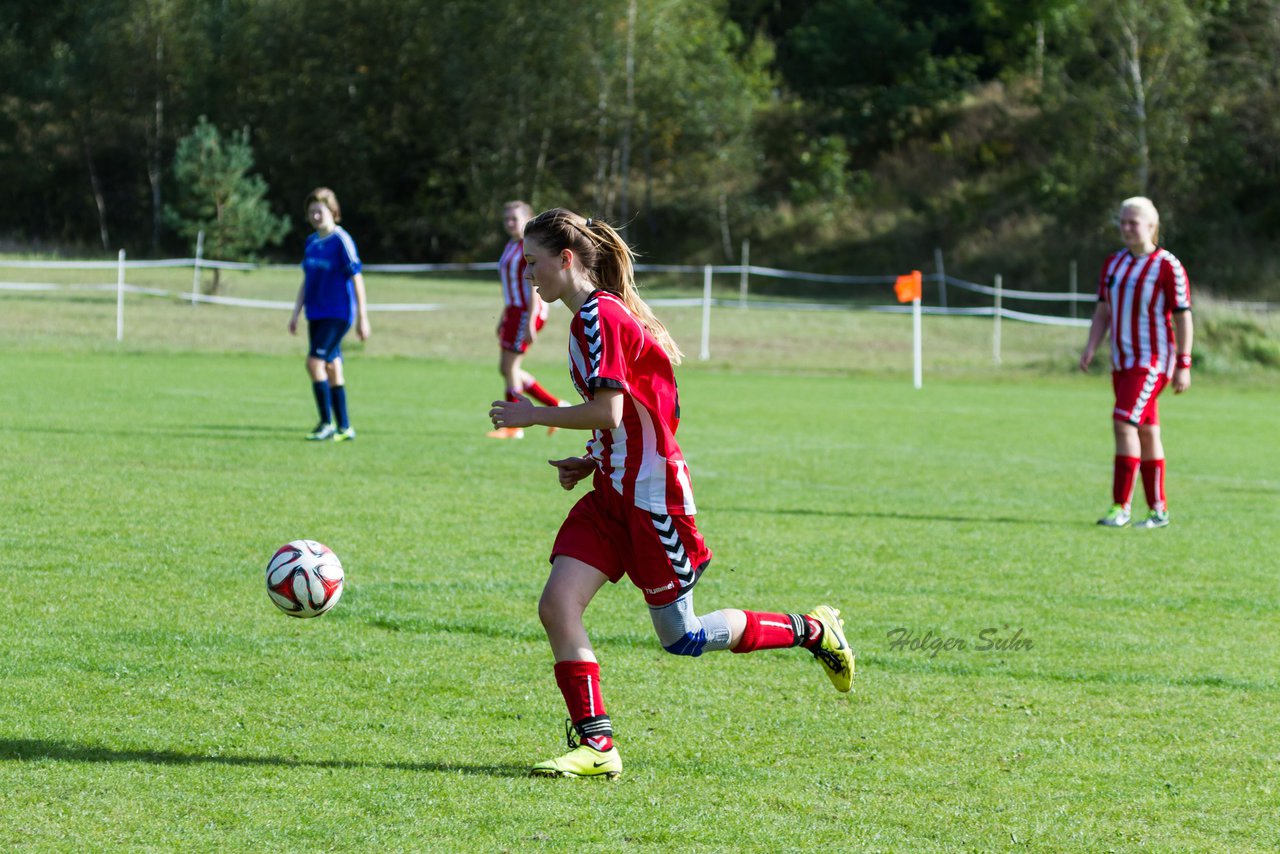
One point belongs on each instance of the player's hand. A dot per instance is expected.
(293, 325)
(512, 413)
(572, 470)
(1086, 359)
(1181, 380)
(362, 328)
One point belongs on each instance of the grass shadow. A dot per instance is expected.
(906, 517)
(239, 432)
(34, 750)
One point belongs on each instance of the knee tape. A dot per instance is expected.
(684, 633)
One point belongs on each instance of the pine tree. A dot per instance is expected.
(218, 195)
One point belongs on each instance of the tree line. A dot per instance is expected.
(847, 133)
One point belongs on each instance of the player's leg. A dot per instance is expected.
(338, 394)
(323, 347)
(509, 368)
(820, 632)
(569, 589)
(320, 390)
(1128, 389)
(669, 556)
(1153, 476)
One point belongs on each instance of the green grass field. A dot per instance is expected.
(154, 699)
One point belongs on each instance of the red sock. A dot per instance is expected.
(1153, 483)
(1126, 472)
(511, 395)
(543, 396)
(777, 631)
(579, 682)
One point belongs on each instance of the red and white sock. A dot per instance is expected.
(1126, 472)
(778, 631)
(1153, 483)
(535, 389)
(579, 682)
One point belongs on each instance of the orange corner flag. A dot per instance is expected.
(908, 287)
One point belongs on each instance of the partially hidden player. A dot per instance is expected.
(637, 520)
(332, 293)
(523, 315)
(1144, 300)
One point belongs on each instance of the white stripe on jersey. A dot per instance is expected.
(1138, 300)
(1181, 293)
(348, 244)
(514, 291)
(686, 487)
(652, 471)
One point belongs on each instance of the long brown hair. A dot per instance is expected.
(607, 260)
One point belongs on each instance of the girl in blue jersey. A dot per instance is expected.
(332, 293)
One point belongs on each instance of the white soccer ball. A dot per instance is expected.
(304, 578)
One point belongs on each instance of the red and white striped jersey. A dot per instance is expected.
(1143, 292)
(610, 349)
(516, 289)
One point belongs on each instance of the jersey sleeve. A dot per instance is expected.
(1104, 277)
(1177, 287)
(349, 254)
(617, 343)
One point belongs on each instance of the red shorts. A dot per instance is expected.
(1136, 393)
(511, 331)
(662, 555)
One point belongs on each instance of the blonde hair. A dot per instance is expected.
(1148, 208)
(607, 260)
(518, 205)
(326, 197)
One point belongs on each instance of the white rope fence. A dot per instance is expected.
(997, 311)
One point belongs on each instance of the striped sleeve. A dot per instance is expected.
(1177, 286)
(349, 251)
(1107, 274)
(604, 328)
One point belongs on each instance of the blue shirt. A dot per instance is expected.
(328, 265)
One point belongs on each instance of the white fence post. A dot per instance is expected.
(195, 277)
(916, 349)
(995, 333)
(1072, 288)
(120, 297)
(704, 351)
(942, 276)
(745, 260)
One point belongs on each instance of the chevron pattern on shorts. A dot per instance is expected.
(670, 539)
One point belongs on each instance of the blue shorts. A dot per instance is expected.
(326, 338)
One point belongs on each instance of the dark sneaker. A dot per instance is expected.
(322, 433)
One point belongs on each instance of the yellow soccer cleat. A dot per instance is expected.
(833, 650)
(582, 760)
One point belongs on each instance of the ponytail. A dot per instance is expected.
(607, 260)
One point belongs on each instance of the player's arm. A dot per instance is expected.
(572, 470)
(1097, 331)
(362, 307)
(1183, 333)
(297, 308)
(530, 316)
(602, 412)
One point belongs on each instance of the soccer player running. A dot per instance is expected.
(332, 292)
(638, 518)
(523, 315)
(1144, 298)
